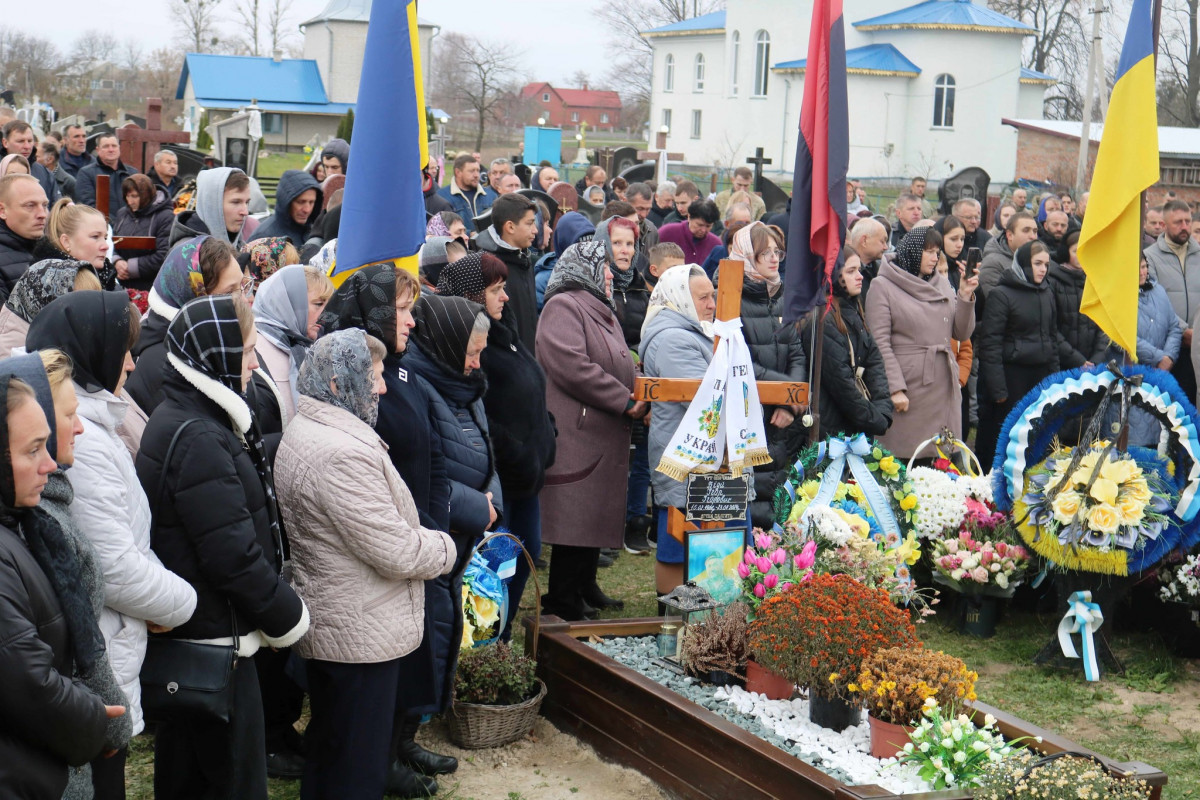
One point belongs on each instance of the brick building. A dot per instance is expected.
(568, 108)
(1048, 150)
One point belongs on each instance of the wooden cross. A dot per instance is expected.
(681, 390)
(758, 161)
(138, 147)
(604, 159)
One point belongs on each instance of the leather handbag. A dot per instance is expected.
(185, 680)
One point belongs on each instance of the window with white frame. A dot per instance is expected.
(545, 97)
(762, 62)
(735, 51)
(669, 73)
(604, 118)
(695, 123)
(698, 82)
(574, 116)
(272, 123)
(943, 101)
(666, 118)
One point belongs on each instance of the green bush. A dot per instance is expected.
(346, 126)
(204, 142)
(495, 675)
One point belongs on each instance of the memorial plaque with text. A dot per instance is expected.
(717, 497)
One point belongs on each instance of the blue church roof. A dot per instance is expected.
(705, 22)
(946, 15)
(871, 59)
(1033, 76)
(291, 85)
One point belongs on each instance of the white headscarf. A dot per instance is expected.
(742, 249)
(674, 291)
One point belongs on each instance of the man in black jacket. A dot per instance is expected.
(74, 153)
(108, 162)
(18, 139)
(165, 172)
(970, 214)
(511, 234)
(24, 210)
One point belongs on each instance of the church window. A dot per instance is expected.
(698, 86)
(943, 101)
(762, 59)
(734, 53)
(667, 118)
(696, 123)
(669, 74)
(272, 123)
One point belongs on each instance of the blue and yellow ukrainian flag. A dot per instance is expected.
(383, 213)
(1126, 165)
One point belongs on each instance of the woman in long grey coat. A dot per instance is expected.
(589, 385)
(913, 312)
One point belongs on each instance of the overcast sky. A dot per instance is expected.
(556, 38)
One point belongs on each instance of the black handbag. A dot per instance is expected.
(184, 680)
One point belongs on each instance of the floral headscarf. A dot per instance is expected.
(337, 370)
(265, 256)
(43, 283)
(581, 267)
(437, 227)
(365, 300)
(180, 279)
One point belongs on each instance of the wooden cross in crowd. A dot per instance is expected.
(682, 390)
(758, 161)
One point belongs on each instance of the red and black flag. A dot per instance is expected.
(817, 226)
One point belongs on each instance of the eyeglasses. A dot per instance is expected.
(246, 287)
(779, 254)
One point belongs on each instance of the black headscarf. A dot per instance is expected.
(366, 300)
(41, 284)
(952, 263)
(205, 335)
(910, 251)
(45, 538)
(463, 278)
(92, 328)
(443, 330)
(1022, 264)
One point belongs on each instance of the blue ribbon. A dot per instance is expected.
(1082, 617)
(842, 451)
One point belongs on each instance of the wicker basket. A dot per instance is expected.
(474, 726)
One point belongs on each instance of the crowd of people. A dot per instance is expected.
(209, 444)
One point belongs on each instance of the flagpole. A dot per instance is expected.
(1094, 63)
(814, 391)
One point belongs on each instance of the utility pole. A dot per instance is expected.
(1095, 62)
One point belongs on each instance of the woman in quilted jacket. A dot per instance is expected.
(360, 558)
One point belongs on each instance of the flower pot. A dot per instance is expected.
(887, 738)
(978, 616)
(719, 677)
(833, 713)
(473, 726)
(765, 682)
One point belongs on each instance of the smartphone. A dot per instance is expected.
(974, 256)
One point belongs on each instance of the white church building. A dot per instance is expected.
(928, 85)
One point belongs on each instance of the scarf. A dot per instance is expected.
(581, 268)
(910, 252)
(92, 328)
(742, 249)
(265, 257)
(621, 278)
(44, 536)
(674, 291)
(463, 278)
(210, 203)
(444, 326)
(365, 300)
(179, 279)
(281, 315)
(326, 257)
(725, 414)
(1022, 266)
(337, 371)
(437, 227)
(42, 283)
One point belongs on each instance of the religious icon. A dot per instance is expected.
(711, 560)
(237, 153)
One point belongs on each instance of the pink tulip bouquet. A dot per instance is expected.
(773, 565)
(977, 566)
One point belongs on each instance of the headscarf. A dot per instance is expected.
(951, 262)
(432, 258)
(911, 250)
(92, 328)
(44, 536)
(342, 360)
(180, 279)
(581, 268)
(205, 336)
(1042, 212)
(210, 202)
(571, 229)
(621, 279)
(8, 160)
(330, 185)
(742, 247)
(674, 291)
(1022, 264)
(326, 257)
(366, 300)
(265, 256)
(281, 315)
(443, 331)
(43, 283)
(437, 227)
(464, 278)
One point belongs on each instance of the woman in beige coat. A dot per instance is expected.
(360, 558)
(913, 312)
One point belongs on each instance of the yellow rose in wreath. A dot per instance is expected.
(909, 502)
(1132, 510)
(889, 466)
(1104, 518)
(1120, 471)
(1139, 489)
(1066, 505)
(1105, 491)
(486, 611)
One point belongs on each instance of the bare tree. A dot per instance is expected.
(632, 62)
(94, 46)
(246, 12)
(196, 21)
(1060, 49)
(1179, 63)
(475, 77)
(279, 29)
(579, 79)
(28, 63)
(132, 56)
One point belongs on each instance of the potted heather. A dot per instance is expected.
(820, 633)
(497, 695)
(715, 650)
(894, 684)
